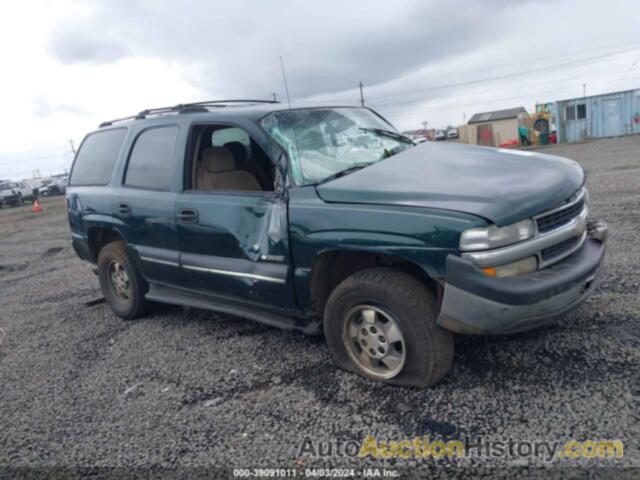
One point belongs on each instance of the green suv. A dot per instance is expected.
(327, 220)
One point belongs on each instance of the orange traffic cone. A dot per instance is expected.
(36, 207)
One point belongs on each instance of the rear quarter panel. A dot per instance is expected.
(88, 208)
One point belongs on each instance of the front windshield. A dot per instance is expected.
(321, 142)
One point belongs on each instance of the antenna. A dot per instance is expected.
(361, 95)
(284, 77)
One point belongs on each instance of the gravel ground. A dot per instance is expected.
(195, 390)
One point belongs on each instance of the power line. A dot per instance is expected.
(496, 100)
(611, 49)
(494, 78)
(507, 76)
(502, 99)
(522, 85)
(627, 47)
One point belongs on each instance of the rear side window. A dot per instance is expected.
(151, 164)
(96, 158)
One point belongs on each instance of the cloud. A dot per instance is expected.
(73, 41)
(327, 46)
(48, 159)
(43, 108)
(83, 61)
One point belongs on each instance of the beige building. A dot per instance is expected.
(496, 128)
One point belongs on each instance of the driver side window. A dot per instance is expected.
(225, 158)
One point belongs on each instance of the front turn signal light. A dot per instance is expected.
(490, 271)
(526, 265)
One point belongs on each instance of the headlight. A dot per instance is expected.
(526, 265)
(494, 236)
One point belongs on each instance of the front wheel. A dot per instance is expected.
(381, 324)
(122, 284)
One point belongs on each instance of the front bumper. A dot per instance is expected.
(474, 303)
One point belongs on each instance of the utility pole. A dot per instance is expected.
(584, 89)
(73, 148)
(361, 95)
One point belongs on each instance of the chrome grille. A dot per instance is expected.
(560, 216)
(560, 232)
(559, 248)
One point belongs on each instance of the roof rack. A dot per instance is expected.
(194, 107)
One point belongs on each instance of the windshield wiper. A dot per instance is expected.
(388, 133)
(344, 172)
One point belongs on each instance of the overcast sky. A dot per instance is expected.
(67, 65)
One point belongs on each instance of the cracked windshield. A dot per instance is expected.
(325, 143)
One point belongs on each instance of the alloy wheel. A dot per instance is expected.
(374, 341)
(119, 281)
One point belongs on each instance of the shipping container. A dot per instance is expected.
(599, 116)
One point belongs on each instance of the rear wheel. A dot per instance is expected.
(381, 324)
(122, 284)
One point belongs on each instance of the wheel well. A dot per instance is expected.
(331, 268)
(99, 237)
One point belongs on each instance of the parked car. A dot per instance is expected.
(440, 135)
(43, 189)
(452, 133)
(14, 193)
(360, 235)
(54, 186)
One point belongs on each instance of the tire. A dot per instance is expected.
(401, 299)
(124, 291)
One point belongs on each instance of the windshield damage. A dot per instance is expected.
(327, 143)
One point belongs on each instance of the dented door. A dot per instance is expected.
(235, 244)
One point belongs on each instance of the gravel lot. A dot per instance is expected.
(190, 388)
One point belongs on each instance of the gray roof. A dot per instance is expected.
(497, 115)
(248, 110)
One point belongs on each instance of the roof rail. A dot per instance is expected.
(123, 119)
(182, 108)
(217, 102)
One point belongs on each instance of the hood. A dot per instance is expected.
(503, 186)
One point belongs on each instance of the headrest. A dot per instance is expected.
(237, 149)
(217, 160)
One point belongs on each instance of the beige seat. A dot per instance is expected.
(217, 171)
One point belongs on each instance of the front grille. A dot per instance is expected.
(561, 217)
(559, 248)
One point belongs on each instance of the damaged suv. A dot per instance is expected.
(327, 220)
